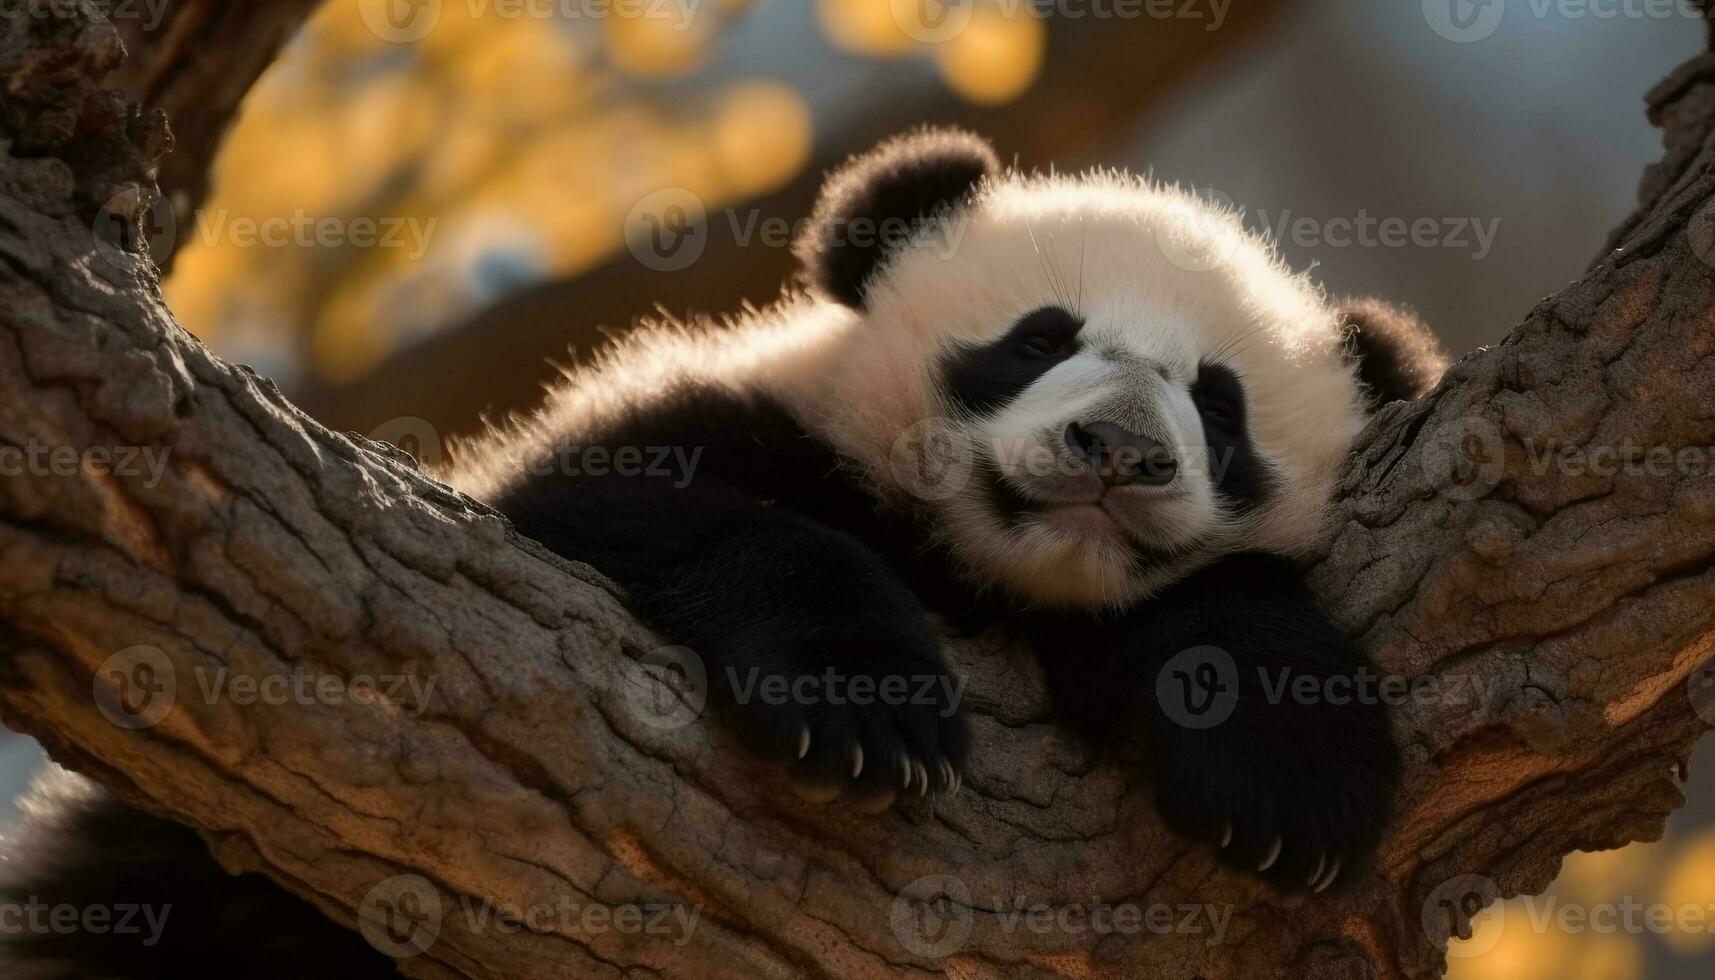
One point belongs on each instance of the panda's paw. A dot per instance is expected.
(893, 727)
(1303, 808)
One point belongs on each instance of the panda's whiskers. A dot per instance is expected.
(1054, 284)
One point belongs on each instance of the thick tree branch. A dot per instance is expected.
(1564, 613)
(195, 60)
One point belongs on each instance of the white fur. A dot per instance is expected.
(1161, 280)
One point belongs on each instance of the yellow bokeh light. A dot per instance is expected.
(762, 136)
(1504, 945)
(995, 57)
(1599, 876)
(863, 26)
(349, 338)
(659, 41)
(1689, 890)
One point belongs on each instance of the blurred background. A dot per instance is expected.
(423, 209)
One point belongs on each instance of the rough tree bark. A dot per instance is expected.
(195, 60)
(1472, 548)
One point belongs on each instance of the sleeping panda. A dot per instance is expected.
(1089, 404)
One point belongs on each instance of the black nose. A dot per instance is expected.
(1122, 458)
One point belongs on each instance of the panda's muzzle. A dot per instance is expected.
(1119, 457)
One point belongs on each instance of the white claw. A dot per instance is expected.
(946, 776)
(1321, 865)
(905, 767)
(1227, 834)
(1273, 854)
(922, 780)
(804, 742)
(958, 782)
(1333, 873)
(857, 760)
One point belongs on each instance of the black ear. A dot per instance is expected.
(872, 205)
(1398, 356)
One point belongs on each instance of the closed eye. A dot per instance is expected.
(1050, 333)
(1219, 396)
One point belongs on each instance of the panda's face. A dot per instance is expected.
(1094, 385)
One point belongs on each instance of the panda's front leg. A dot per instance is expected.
(816, 653)
(1263, 725)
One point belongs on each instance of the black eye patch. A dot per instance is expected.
(984, 377)
(1239, 473)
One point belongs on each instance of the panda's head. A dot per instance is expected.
(1090, 384)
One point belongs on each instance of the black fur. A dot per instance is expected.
(869, 208)
(983, 377)
(1398, 356)
(768, 560)
(1240, 474)
(1317, 772)
(95, 853)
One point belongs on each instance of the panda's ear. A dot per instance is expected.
(872, 205)
(1398, 357)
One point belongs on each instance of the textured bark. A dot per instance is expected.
(1584, 604)
(195, 60)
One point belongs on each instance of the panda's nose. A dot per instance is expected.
(1121, 458)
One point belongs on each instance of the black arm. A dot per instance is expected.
(1261, 721)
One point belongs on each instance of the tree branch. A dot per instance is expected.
(1563, 613)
